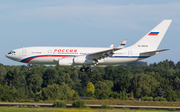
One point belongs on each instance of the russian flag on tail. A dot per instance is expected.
(153, 33)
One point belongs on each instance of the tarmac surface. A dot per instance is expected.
(93, 106)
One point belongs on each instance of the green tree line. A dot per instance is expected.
(112, 82)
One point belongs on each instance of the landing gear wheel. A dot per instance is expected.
(87, 69)
(91, 70)
(29, 68)
(82, 69)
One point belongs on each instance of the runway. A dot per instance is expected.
(93, 106)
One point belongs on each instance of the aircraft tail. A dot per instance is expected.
(153, 38)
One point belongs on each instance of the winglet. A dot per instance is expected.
(112, 45)
(122, 44)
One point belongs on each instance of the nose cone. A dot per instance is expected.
(12, 57)
(7, 55)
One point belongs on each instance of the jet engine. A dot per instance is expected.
(68, 61)
(82, 60)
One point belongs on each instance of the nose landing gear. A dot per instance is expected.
(29, 67)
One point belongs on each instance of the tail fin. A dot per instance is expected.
(153, 38)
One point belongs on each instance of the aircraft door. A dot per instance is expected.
(49, 52)
(24, 52)
(129, 53)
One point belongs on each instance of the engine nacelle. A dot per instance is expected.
(82, 60)
(66, 61)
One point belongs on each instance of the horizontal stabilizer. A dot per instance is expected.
(157, 51)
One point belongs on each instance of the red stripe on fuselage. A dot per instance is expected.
(40, 57)
(128, 57)
(68, 56)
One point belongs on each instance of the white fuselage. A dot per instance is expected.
(51, 55)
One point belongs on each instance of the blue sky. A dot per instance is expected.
(88, 23)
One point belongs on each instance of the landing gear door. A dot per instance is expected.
(24, 52)
(129, 53)
(49, 52)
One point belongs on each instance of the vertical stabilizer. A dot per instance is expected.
(153, 38)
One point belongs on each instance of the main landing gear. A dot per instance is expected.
(86, 69)
(29, 67)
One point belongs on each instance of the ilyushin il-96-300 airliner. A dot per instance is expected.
(87, 56)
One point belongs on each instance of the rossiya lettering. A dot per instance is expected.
(65, 50)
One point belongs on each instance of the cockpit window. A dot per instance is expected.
(11, 52)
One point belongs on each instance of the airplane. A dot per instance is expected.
(87, 56)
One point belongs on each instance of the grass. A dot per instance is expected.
(130, 102)
(17, 109)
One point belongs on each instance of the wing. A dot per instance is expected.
(103, 54)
